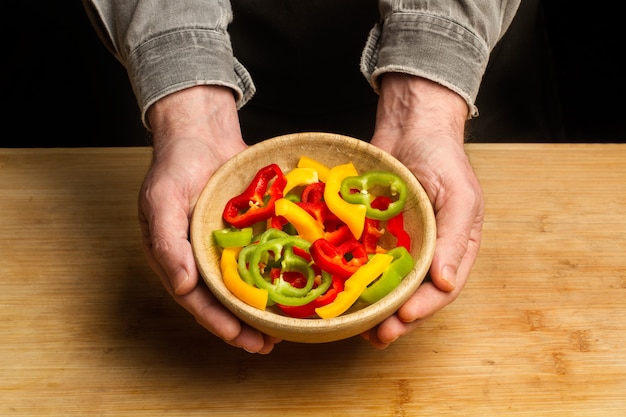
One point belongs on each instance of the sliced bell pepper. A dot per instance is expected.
(343, 260)
(307, 226)
(371, 235)
(300, 176)
(319, 211)
(270, 234)
(307, 162)
(313, 193)
(296, 279)
(256, 203)
(351, 214)
(249, 294)
(338, 235)
(335, 230)
(293, 197)
(243, 261)
(355, 285)
(399, 268)
(308, 310)
(279, 252)
(357, 190)
(232, 237)
(395, 225)
(280, 223)
(246, 252)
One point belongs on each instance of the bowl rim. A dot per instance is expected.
(206, 253)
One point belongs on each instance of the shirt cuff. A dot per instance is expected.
(430, 47)
(182, 59)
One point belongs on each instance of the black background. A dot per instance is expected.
(555, 77)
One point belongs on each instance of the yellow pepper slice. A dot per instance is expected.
(300, 176)
(249, 294)
(355, 285)
(322, 170)
(352, 215)
(307, 226)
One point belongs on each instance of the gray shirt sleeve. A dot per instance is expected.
(168, 45)
(445, 41)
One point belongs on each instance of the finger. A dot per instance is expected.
(207, 311)
(425, 302)
(152, 262)
(165, 237)
(212, 315)
(450, 247)
(389, 331)
(459, 208)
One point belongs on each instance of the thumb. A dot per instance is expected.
(459, 224)
(446, 262)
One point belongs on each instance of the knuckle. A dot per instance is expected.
(160, 248)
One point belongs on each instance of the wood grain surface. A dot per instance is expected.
(539, 330)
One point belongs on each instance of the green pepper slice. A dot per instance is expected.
(362, 184)
(246, 252)
(243, 262)
(400, 267)
(232, 237)
(276, 248)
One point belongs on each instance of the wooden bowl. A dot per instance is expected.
(330, 149)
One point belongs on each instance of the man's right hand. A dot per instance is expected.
(195, 131)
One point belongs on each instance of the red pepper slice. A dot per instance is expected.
(304, 254)
(251, 206)
(338, 234)
(295, 278)
(313, 193)
(342, 260)
(318, 210)
(371, 231)
(371, 235)
(381, 202)
(277, 222)
(395, 225)
(308, 310)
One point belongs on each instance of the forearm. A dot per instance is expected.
(167, 46)
(446, 41)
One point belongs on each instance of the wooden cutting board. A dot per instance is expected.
(539, 330)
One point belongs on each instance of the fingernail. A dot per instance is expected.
(390, 341)
(449, 275)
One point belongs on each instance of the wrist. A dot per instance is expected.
(415, 106)
(206, 112)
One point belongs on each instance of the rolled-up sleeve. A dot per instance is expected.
(168, 45)
(448, 42)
